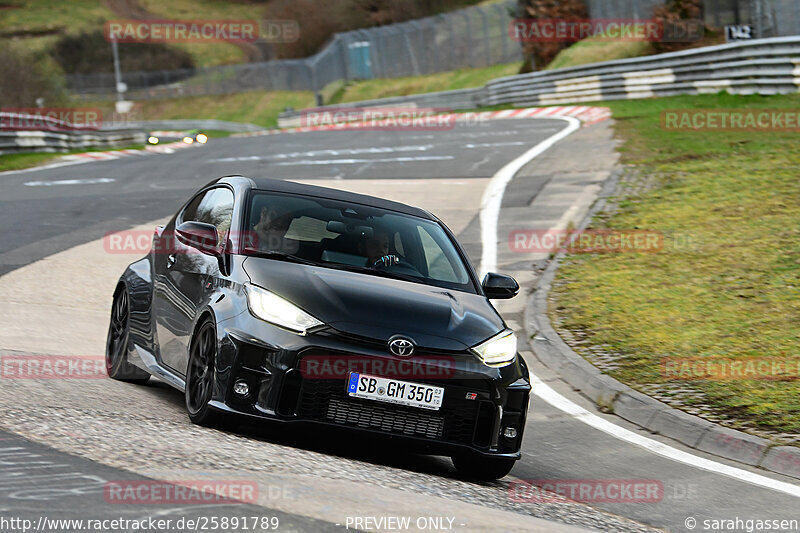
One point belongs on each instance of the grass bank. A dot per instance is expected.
(726, 286)
(20, 161)
(262, 107)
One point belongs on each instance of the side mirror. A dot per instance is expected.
(499, 286)
(201, 236)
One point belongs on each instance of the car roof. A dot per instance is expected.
(268, 184)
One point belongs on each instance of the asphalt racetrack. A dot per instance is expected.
(64, 440)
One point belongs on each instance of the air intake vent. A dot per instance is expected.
(385, 419)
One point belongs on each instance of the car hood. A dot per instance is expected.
(379, 308)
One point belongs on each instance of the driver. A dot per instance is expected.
(376, 249)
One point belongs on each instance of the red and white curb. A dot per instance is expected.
(102, 156)
(109, 155)
(167, 148)
(588, 115)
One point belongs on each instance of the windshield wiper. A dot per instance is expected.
(280, 256)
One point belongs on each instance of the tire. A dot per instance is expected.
(479, 468)
(117, 342)
(200, 376)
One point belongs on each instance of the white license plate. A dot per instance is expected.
(394, 391)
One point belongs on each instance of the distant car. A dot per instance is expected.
(294, 303)
(188, 137)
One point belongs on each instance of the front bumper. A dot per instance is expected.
(480, 402)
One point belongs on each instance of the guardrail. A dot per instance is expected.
(15, 142)
(194, 124)
(54, 135)
(764, 66)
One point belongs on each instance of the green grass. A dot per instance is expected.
(443, 81)
(41, 16)
(733, 293)
(211, 53)
(21, 161)
(217, 134)
(596, 49)
(262, 107)
(257, 107)
(47, 20)
(204, 9)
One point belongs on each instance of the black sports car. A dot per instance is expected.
(275, 300)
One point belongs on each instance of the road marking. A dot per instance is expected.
(332, 152)
(561, 403)
(361, 161)
(490, 211)
(493, 194)
(90, 181)
(488, 145)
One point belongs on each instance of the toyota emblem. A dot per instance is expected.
(401, 347)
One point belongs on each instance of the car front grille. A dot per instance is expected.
(327, 401)
(384, 418)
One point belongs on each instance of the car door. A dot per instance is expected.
(183, 273)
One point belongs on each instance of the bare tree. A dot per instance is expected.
(537, 55)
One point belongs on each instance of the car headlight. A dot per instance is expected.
(153, 139)
(500, 350)
(275, 310)
(201, 138)
(188, 140)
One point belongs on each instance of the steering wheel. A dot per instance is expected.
(393, 261)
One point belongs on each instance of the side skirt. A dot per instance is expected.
(152, 366)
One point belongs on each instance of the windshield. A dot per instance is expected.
(354, 237)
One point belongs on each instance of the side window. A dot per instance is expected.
(439, 266)
(190, 210)
(214, 207)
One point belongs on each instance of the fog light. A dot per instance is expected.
(240, 388)
(510, 433)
